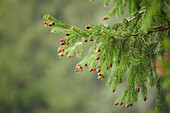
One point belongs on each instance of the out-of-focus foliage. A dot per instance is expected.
(32, 78)
(163, 66)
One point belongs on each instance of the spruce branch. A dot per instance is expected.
(122, 49)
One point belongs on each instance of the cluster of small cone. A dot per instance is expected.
(100, 76)
(121, 104)
(63, 42)
(61, 51)
(78, 68)
(85, 40)
(138, 90)
(130, 104)
(97, 69)
(67, 43)
(49, 24)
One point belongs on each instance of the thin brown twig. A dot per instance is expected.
(140, 12)
(151, 31)
(165, 28)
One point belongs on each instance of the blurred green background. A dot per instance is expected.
(33, 79)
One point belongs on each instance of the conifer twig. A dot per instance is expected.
(151, 31)
(140, 12)
(165, 28)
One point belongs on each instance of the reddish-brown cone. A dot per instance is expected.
(98, 50)
(145, 99)
(66, 43)
(88, 27)
(121, 104)
(85, 40)
(98, 70)
(52, 23)
(97, 58)
(131, 104)
(61, 40)
(113, 90)
(85, 64)
(104, 18)
(67, 34)
(91, 39)
(62, 43)
(127, 105)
